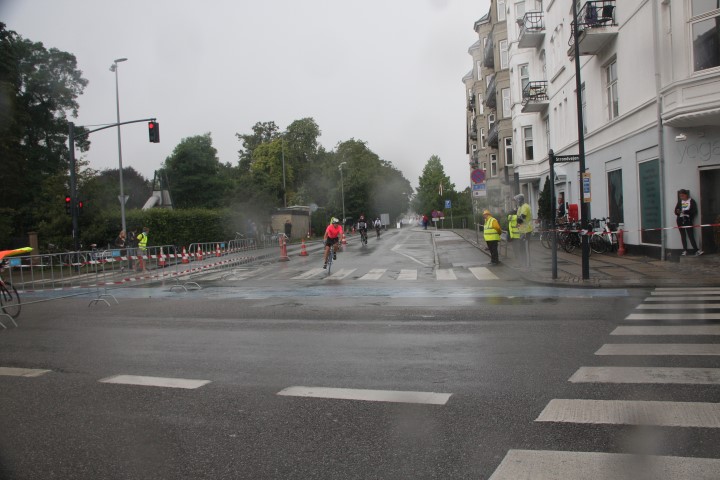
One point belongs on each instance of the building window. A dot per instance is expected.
(705, 34)
(482, 138)
(651, 213)
(481, 103)
(479, 70)
(524, 76)
(506, 107)
(501, 10)
(503, 45)
(508, 151)
(583, 104)
(611, 89)
(484, 166)
(493, 165)
(528, 143)
(520, 10)
(615, 196)
(491, 121)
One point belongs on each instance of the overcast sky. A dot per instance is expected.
(387, 72)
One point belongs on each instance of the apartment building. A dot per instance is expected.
(489, 113)
(650, 102)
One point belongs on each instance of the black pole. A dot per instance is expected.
(581, 150)
(73, 188)
(551, 156)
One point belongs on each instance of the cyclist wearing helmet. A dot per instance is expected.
(362, 228)
(332, 239)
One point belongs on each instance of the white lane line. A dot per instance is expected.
(407, 275)
(690, 293)
(660, 375)
(394, 396)
(686, 289)
(556, 465)
(342, 273)
(483, 273)
(374, 274)
(673, 316)
(625, 412)
(155, 381)
(669, 330)
(659, 349)
(445, 274)
(688, 298)
(309, 274)
(22, 372)
(677, 306)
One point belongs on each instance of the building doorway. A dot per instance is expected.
(710, 208)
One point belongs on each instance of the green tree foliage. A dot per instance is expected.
(428, 194)
(197, 178)
(101, 190)
(545, 203)
(39, 87)
(262, 132)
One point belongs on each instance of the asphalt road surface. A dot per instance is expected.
(413, 360)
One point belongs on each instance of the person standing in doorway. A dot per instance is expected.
(288, 228)
(685, 211)
(491, 233)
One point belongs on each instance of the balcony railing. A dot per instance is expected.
(492, 138)
(473, 134)
(490, 94)
(532, 30)
(471, 103)
(596, 27)
(535, 97)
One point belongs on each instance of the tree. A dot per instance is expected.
(39, 88)
(545, 203)
(196, 176)
(262, 132)
(434, 187)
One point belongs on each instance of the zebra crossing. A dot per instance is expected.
(666, 312)
(375, 274)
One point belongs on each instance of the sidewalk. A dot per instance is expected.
(606, 270)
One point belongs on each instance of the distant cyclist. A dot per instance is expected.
(362, 228)
(332, 239)
(378, 225)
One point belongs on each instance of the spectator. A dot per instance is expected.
(686, 210)
(491, 233)
(121, 243)
(142, 246)
(288, 228)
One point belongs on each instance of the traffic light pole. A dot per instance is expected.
(73, 174)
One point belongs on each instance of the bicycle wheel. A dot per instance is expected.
(570, 242)
(598, 243)
(546, 239)
(330, 261)
(9, 300)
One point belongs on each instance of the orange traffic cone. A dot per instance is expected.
(199, 253)
(303, 252)
(344, 242)
(161, 259)
(185, 258)
(283, 250)
(217, 250)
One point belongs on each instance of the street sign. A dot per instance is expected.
(477, 176)
(121, 199)
(448, 204)
(566, 158)
(586, 187)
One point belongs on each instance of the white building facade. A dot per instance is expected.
(650, 96)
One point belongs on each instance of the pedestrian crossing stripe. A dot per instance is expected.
(408, 275)
(342, 273)
(394, 396)
(673, 316)
(445, 274)
(483, 273)
(687, 289)
(144, 381)
(690, 293)
(310, 273)
(632, 412)
(660, 349)
(677, 306)
(442, 274)
(559, 465)
(657, 375)
(22, 372)
(669, 330)
(685, 299)
(374, 274)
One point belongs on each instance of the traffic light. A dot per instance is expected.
(80, 206)
(154, 132)
(68, 204)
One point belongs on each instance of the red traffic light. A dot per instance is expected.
(154, 132)
(68, 199)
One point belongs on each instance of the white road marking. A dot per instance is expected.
(394, 396)
(483, 273)
(686, 299)
(22, 372)
(555, 465)
(669, 330)
(310, 273)
(690, 293)
(687, 289)
(624, 412)
(659, 349)
(445, 274)
(673, 316)
(660, 375)
(394, 249)
(374, 274)
(155, 381)
(342, 273)
(677, 306)
(407, 275)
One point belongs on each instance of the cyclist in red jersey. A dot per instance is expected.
(332, 239)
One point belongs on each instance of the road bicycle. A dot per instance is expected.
(604, 236)
(9, 299)
(67, 257)
(363, 236)
(568, 237)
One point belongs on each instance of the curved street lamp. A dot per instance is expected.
(114, 68)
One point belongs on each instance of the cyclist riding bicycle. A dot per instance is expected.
(332, 239)
(378, 225)
(362, 228)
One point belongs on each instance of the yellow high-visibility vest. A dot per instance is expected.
(489, 233)
(513, 226)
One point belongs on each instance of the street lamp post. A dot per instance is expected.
(282, 150)
(114, 68)
(342, 189)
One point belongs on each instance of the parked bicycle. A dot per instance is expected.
(604, 236)
(9, 299)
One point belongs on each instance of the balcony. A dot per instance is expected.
(473, 134)
(471, 103)
(532, 30)
(535, 97)
(490, 94)
(596, 27)
(492, 138)
(489, 54)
